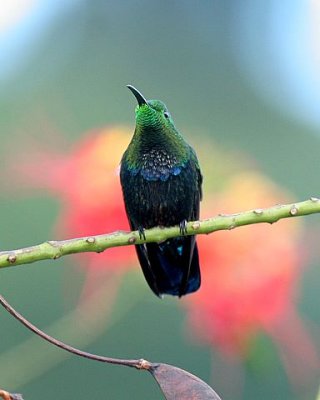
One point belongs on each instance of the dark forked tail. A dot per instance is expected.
(171, 267)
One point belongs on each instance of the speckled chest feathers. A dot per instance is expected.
(161, 191)
(158, 164)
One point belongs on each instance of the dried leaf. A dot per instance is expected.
(177, 384)
(16, 396)
(10, 396)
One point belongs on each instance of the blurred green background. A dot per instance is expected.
(246, 75)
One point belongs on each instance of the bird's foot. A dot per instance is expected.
(183, 227)
(142, 235)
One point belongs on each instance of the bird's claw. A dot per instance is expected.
(183, 227)
(142, 235)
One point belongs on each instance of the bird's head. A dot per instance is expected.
(151, 113)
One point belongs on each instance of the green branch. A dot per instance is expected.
(56, 249)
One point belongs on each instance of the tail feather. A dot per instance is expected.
(171, 267)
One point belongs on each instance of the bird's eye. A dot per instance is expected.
(166, 114)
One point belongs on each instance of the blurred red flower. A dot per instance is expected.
(86, 182)
(250, 277)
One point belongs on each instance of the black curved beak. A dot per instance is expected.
(141, 100)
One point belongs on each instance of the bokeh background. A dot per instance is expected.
(242, 82)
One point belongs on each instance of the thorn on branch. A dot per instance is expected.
(258, 211)
(294, 210)
(196, 225)
(91, 240)
(232, 225)
(143, 364)
(12, 258)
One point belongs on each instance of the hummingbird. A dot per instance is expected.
(162, 186)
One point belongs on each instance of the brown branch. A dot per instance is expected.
(139, 364)
(174, 382)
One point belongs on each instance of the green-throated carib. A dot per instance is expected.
(161, 184)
